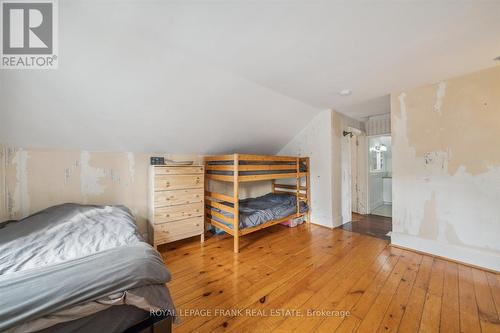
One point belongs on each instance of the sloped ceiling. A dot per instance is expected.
(213, 77)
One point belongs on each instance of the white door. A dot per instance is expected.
(345, 161)
(354, 175)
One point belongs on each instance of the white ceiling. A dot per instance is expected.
(217, 76)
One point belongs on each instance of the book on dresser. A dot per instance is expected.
(176, 203)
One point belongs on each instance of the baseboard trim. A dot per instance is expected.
(336, 221)
(464, 256)
(323, 226)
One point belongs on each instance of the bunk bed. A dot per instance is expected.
(223, 211)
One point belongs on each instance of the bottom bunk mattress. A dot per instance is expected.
(257, 211)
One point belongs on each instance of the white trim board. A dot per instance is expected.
(466, 255)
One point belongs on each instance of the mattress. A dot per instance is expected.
(257, 211)
(115, 319)
(72, 261)
(293, 169)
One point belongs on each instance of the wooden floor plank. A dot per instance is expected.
(431, 314)
(376, 311)
(375, 286)
(413, 310)
(494, 282)
(286, 271)
(469, 317)
(379, 272)
(488, 316)
(285, 296)
(323, 289)
(396, 309)
(450, 309)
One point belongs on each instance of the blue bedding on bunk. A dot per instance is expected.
(256, 211)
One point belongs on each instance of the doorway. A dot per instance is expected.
(353, 166)
(380, 175)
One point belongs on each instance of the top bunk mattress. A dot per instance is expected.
(293, 169)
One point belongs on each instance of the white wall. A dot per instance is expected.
(122, 85)
(315, 141)
(323, 142)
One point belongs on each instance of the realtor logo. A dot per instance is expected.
(29, 34)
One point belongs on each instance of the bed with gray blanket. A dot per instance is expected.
(257, 211)
(76, 268)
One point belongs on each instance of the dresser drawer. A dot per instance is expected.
(178, 197)
(174, 213)
(176, 182)
(169, 232)
(178, 170)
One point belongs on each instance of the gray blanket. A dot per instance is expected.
(73, 254)
(256, 211)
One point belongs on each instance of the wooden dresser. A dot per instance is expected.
(176, 203)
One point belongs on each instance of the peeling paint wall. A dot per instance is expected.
(446, 168)
(37, 179)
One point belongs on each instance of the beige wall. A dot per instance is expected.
(446, 168)
(37, 179)
(32, 180)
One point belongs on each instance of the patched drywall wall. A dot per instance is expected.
(37, 179)
(446, 168)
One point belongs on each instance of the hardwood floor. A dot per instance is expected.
(371, 225)
(287, 279)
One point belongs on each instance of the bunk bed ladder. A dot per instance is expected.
(308, 190)
(297, 182)
(236, 215)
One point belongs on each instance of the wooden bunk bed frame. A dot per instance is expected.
(253, 163)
